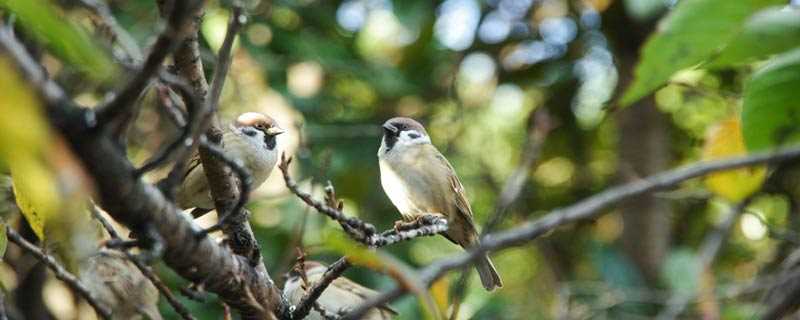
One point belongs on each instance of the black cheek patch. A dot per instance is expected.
(270, 141)
(413, 135)
(390, 141)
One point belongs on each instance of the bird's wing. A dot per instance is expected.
(462, 204)
(361, 291)
(194, 161)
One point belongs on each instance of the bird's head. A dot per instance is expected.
(258, 125)
(403, 132)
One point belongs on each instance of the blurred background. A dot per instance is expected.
(515, 93)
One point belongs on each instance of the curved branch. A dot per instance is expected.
(137, 204)
(61, 273)
(585, 209)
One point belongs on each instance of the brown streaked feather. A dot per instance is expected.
(462, 204)
(361, 291)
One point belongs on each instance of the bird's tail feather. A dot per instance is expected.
(488, 274)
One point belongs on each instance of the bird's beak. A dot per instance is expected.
(390, 127)
(274, 131)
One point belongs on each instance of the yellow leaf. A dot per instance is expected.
(440, 291)
(35, 192)
(24, 137)
(723, 141)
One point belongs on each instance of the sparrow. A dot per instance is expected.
(118, 284)
(420, 181)
(341, 296)
(251, 139)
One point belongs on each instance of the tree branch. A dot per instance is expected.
(540, 127)
(146, 271)
(120, 36)
(181, 146)
(138, 205)
(585, 209)
(61, 273)
(311, 296)
(176, 29)
(357, 229)
(707, 253)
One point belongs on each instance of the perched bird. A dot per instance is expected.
(118, 284)
(340, 297)
(252, 139)
(420, 181)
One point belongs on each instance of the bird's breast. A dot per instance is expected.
(408, 188)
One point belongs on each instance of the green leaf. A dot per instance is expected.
(690, 34)
(771, 111)
(770, 31)
(3, 241)
(62, 37)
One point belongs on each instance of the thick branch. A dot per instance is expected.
(146, 271)
(138, 205)
(589, 208)
(61, 273)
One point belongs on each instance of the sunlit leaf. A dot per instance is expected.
(50, 186)
(62, 37)
(769, 31)
(35, 192)
(724, 141)
(440, 291)
(24, 137)
(687, 36)
(771, 112)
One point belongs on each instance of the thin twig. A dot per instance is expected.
(60, 272)
(181, 145)
(168, 40)
(586, 209)
(249, 290)
(224, 57)
(542, 124)
(146, 271)
(356, 228)
(708, 252)
(309, 299)
(120, 35)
